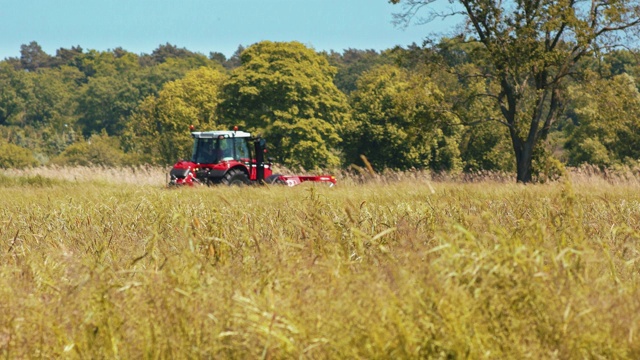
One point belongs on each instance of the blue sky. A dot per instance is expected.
(203, 26)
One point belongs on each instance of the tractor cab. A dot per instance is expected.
(214, 147)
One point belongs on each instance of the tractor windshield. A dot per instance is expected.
(213, 151)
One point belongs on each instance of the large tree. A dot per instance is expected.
(533, 47)
(285, 91)
(32, 57)
(400, 121)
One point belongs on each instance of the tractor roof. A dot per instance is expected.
(215, 134)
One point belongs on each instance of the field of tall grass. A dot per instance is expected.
(410, 268)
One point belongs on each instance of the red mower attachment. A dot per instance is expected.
(293, 180)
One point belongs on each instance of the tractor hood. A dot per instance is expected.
(181, 169)
(184, 164)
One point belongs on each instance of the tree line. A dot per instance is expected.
(427, 106)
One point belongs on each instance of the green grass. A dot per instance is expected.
(403, 270)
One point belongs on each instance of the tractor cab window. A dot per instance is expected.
(215, 150)
(224, 149)
(241, 150)
(204, 151)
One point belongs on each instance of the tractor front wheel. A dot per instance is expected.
(235, 177)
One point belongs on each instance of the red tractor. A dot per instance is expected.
(232, 158)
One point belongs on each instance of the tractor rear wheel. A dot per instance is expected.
(235, 177)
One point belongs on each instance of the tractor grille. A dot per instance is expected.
(179, 173)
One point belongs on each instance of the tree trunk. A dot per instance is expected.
(524, 158)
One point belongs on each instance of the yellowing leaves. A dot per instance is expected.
(163, 121)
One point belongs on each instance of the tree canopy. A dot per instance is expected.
(608, 118)
(399, 122)
(450, 104)
(161, 123)
(285, 91)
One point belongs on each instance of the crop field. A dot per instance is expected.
(410, 268)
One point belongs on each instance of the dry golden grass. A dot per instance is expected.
(141, 175)
(91, 268)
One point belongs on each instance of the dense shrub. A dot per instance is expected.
(14, 156)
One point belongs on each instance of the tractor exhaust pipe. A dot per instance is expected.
(260, 147)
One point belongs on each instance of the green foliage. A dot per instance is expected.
(89, 92)
(351, 63)
(168, 52)
(608, 121)
(53, 98)
(105, 103)
(118, 84)
(485, 142)
(400, 121)
(16, 157)
(546, 167)
(486, 146)
(589, 151)
(99, 150)
(44, 142)
(12, 105)
(105, 64)
(285, 91)
(32, 57)
(40, 98)
(622, 61)
(477, 113)
(160, 126)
